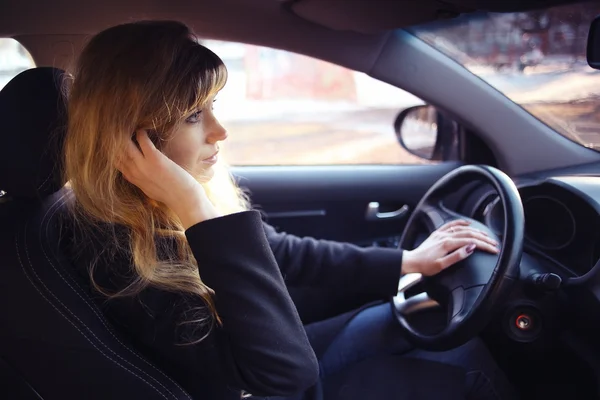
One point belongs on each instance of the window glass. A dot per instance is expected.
(536, 58)
(14, 58)
(282, 108)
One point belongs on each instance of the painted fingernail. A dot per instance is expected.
(470, 248)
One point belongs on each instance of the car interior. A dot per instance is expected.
(536, 305)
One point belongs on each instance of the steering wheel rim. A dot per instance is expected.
(473, 288)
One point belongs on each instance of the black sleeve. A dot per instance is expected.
(262, 339)
(321, 263)
(260, 348)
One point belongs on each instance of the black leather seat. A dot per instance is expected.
(54, 342)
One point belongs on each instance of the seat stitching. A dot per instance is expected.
(93, 308)
(45, 180)
(44, 224)
(67, 319)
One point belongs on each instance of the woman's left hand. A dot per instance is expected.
(448, 245)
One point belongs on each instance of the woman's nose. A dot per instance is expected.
(217, 133)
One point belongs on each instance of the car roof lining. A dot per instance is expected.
(347, 32)
(372, 16)
(238, 16)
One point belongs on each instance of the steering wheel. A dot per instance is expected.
(474, 288)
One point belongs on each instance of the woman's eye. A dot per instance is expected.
(195, 117)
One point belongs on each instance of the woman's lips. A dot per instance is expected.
(212, 159)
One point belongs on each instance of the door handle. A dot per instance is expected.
(373, 213)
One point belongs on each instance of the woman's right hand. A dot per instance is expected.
(163, 180)
(448, 245)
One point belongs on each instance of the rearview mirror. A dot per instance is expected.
(427, 133)
(593, 44)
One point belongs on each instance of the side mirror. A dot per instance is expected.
(593, 44)
(427, 133)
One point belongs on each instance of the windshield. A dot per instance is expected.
(537, 59)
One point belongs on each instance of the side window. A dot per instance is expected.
(14, 58)
(282, 108)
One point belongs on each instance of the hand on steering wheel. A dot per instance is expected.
(451, 243)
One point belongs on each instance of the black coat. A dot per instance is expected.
(261, 347)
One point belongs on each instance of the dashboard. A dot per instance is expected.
(562, 217)
(554, 306)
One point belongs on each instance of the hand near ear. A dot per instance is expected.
(163, 180)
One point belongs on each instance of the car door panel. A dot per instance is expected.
(331, 202)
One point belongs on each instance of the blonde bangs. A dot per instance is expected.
(206, 84)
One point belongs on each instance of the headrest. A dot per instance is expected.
(33, 115)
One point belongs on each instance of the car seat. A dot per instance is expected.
(54, 342)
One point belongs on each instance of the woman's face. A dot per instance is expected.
(194, 143)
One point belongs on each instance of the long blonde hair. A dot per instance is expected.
(141, 75)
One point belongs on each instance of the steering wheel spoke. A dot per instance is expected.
(434, 216)
(414, 304)
(464, 300)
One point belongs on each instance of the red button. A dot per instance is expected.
(524, 322)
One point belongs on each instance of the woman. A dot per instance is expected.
(175, 257)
